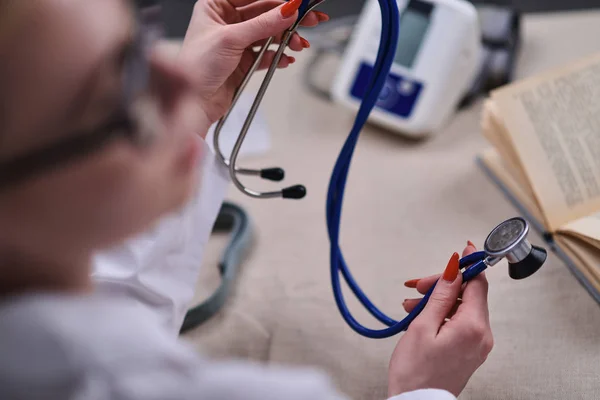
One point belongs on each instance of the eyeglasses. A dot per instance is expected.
(135, 80)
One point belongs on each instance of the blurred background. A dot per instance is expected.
(177, 12)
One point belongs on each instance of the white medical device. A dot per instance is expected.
(437, 59)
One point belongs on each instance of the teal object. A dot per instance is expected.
(234, 219)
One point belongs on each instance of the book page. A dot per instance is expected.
(495, 132)
(587, 228)
(585, 257)
(495, 164)
(553, 122)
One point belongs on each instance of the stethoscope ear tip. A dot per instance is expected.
(294, 192)
(529, 265)
(273, 174)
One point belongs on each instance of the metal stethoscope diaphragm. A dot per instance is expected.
(509, 240)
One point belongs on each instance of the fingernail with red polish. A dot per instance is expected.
(290, 8)
(451, 271)
(322, 17)
(469, 243)
(291, 60)
(412, 283)
(305, 43)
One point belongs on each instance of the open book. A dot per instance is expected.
(545, 156)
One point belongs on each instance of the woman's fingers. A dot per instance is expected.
(470, 249)
(303, 43)
(297, 43)
(410, 304)
(476, 291)
(267, 60)
(311, 19)
(249, 57)
(475, 298)
(424, 284)
(472, 319)
(265, 25)
(321, 16)
(257, 8)
(471, 322)
(261, 20)
(442, 299)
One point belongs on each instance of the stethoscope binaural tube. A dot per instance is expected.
(272, 174)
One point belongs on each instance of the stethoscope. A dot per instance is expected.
(507, 241)
(273, 174)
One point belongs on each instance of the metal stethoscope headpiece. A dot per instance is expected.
(509, 240)
(273, 174)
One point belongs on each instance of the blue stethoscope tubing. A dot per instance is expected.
(473, 263)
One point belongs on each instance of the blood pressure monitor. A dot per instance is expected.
(436, 61)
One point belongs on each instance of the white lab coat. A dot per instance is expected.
(122, 342)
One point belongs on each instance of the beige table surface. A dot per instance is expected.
(408, 207)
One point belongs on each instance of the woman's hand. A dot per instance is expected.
(218, 45)
(450, 338)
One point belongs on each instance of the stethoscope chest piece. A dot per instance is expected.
(509, 240)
